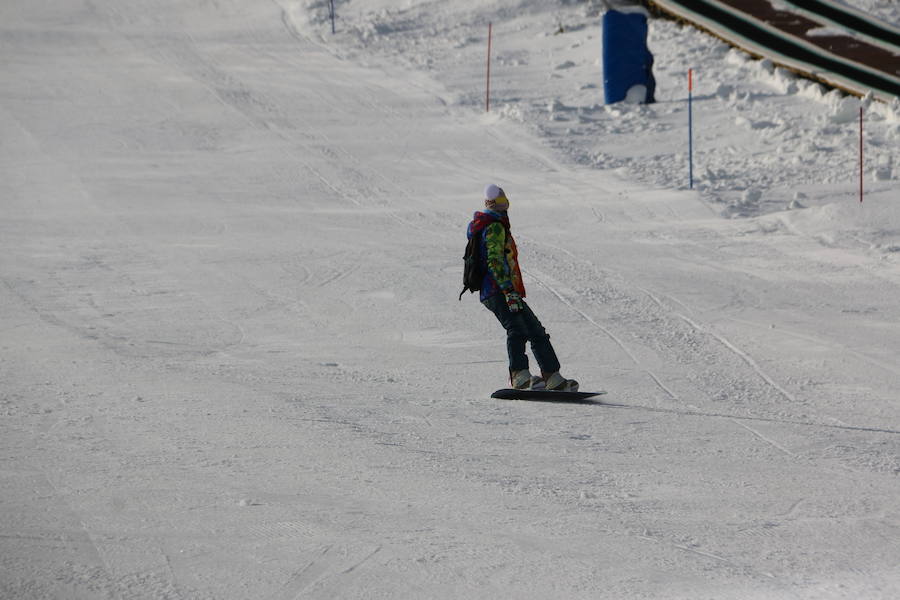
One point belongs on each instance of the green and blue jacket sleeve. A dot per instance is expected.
(495, 244)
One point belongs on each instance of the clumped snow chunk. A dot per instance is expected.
(846, 110)
(636, 94)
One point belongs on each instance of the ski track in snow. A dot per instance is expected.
(750, 362)
(594, 323)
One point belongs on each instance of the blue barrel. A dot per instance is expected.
(626, 59)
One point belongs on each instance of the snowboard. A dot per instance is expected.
(546, 395)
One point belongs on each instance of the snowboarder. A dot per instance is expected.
(503, 293)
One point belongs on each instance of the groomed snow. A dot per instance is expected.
(233, 365)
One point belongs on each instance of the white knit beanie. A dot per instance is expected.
(493, 191)
(495, 198)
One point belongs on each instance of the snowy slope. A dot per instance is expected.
(233, 365)
(763, 139)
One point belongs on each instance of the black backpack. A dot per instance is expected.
(473, 266)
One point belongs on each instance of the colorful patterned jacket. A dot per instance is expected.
(498, 250)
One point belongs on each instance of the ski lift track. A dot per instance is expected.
(865, 59)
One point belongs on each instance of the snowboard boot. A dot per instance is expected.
(524, 380)
(557, 383)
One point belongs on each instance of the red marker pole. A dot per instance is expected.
(860, 154)
(487, 94)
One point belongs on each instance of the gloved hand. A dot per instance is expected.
(514, 301)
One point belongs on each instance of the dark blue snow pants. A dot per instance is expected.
(521, 327)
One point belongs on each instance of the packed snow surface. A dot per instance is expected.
(233, 364)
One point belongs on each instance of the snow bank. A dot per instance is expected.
(757, 127)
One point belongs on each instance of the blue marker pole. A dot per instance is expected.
(861, 174)
(332, 16)
(691, 128)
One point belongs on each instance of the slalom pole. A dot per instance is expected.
(487, 93)
(691, 128)
(860, 154)
(332, 17)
